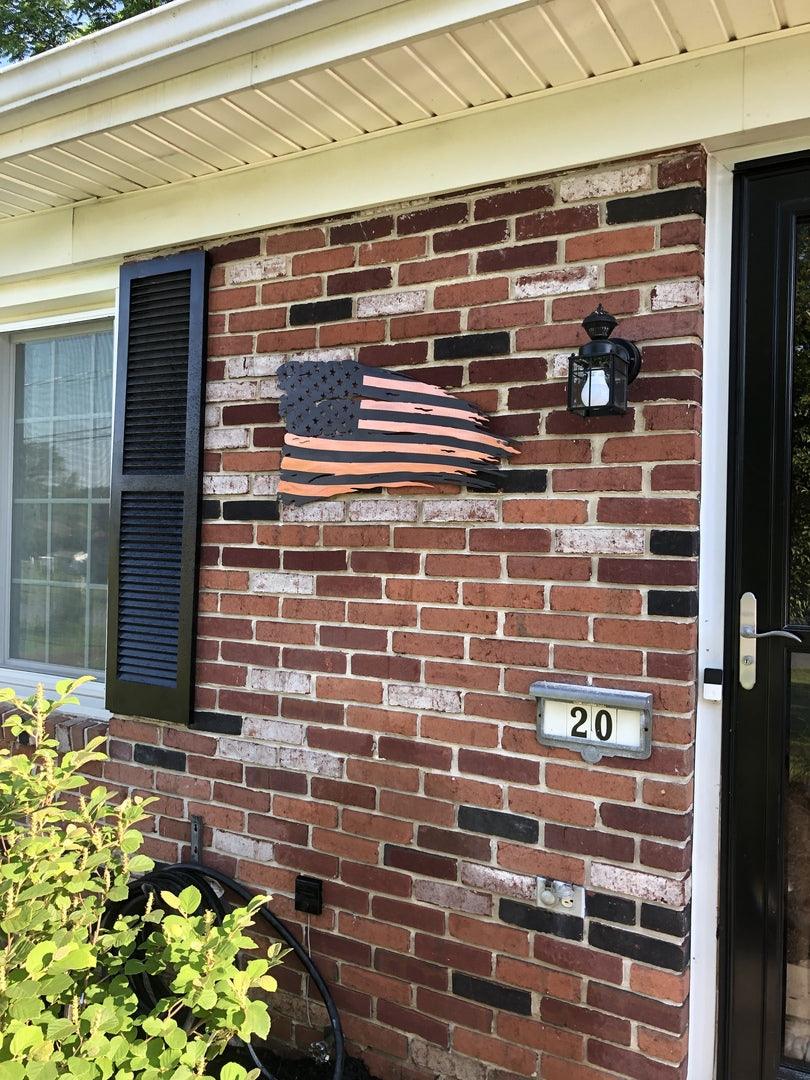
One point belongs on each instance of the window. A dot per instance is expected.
(60, 411)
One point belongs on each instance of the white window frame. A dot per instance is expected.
(23, 680)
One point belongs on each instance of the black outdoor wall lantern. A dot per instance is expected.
(599, 374)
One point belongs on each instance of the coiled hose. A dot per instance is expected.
(176, 878)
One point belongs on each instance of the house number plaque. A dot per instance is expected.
(596, 722)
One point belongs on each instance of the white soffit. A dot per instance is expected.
(336, 72)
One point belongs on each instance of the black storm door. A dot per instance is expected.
(766, 929)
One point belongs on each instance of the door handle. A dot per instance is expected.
(749, 637)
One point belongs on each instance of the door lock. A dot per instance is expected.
(748, 640)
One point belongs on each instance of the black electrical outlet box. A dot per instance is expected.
(308, 894)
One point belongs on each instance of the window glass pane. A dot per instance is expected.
(60, 501)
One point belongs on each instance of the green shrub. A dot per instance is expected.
(67, 1009)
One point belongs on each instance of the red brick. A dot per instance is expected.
(348, 333)
(477, 291)
(610, 242)
(675, 478)
(654, 268)
(649, 571)
(522, 1031)
(497, 766)
(235, 249)
(590, 781)
(277, 340)
(427, 325)
(652, 448)
(517, 256)
(565, 308)
(577, 958)
(690, 168)
(603, 661)
(429, 645)
(471, 236)
(319, 262)
(612, 479)
(630, 1065)
(435, 1031)
(392, 251)
(443, 269)
(417, 807)
(454, 1009)
(227, 299)
(563, 568)
(556, 222)
(648, 511)
(497, 1050)
(285, 292)
(294, 240)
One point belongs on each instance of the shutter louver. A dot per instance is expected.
(155, 492)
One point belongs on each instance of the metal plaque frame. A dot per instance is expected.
(593, 750)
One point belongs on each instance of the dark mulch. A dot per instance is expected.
(301, 1068)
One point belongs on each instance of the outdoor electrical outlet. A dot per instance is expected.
(308, 894)
(561, 896)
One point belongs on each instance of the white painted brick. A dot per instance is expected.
(521, 886)
(401, 303)
(278, 582)
(452, 896)
(230, 391)
(265, 484)
(272, 731)
(226, 438)
(443, 510)
(282, 682)
(274, 266)
(323, 355)
(224, 484)
(311, 761)
(558, 365)
(412, 696)
(316, 511)
(599, 541)
(444, 1064)
(661, 890)
(676, 294)
(213, 416)
(242, 846)
(383, 510)
(256, 367)
(269, 388)
(566, 279)
(252, 753)
(601, 185)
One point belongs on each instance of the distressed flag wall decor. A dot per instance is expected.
(354, 428)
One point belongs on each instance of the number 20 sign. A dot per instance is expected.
(594, 721)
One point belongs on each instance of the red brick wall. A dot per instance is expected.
(364, 663)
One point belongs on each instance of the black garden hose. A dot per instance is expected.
(176, 878)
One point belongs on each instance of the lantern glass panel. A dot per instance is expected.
(597, 386)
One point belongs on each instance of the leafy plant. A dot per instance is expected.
(67, 1008)
(28, 27)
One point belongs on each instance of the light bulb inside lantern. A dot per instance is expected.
(595, 389)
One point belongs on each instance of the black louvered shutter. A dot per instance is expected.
(155, 492)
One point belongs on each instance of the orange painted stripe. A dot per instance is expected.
(357, 468)
(410, 408)
(425, 429)
(386, 448)
(317, 491)
(407, 386)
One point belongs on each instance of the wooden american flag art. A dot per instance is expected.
(355, 428)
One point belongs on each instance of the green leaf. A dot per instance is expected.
(11, 1070)
(189, 900)
(231, 1071)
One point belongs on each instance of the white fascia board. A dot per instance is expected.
(192, 50)
(605, 119)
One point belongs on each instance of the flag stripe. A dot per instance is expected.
(407, 442)
(424, 429)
